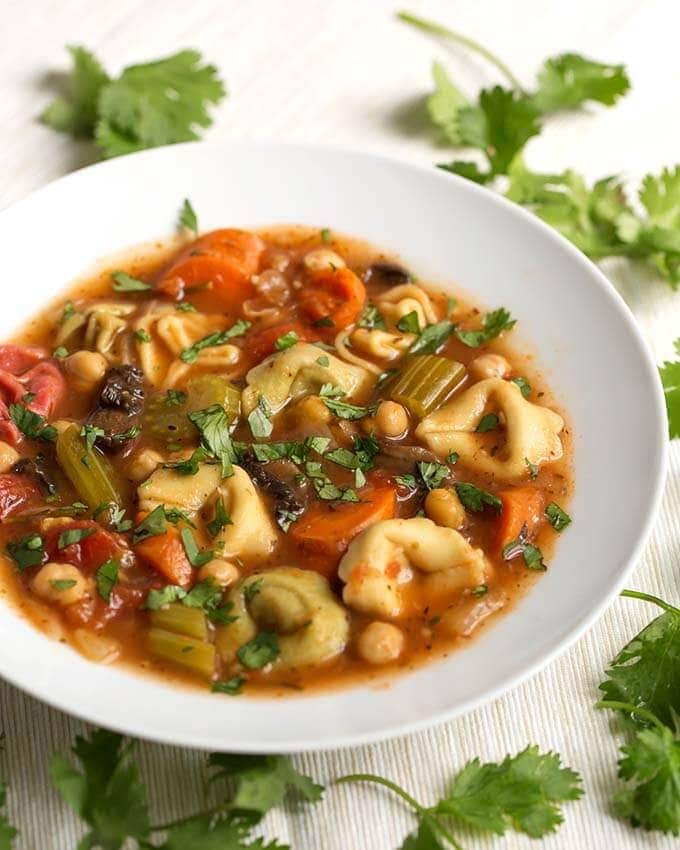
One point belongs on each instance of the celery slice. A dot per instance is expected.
(198, 656)
(87, 469)
(425, 382)
(181, 620)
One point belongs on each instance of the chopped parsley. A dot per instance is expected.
(188, 219)
(196, 557)
(74, 535)
(27, 552)
(251, 589)
(175, 398)
(432, 338)
(263, 649)
(32, 425)
(488, 422)
(474, 499)
(90, 434)
(63, 583)
(152, 525)
(60, 352)
(190, 354)
(409, 324)
(220, 520)
(432, 474)
(533, 469)
(106, 578)
(190, 465)
(185, 307)
(523, 384)
(558, 518)
(259, 419)
(156, 599)
(344, 410)
(141, 335)
(372, 318)
(213, 426)
(288, 340)
(123, 282)
(233, 687)
(323, 361)
(494, 324)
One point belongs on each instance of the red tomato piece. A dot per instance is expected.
(16, 491)
(261, 343)
(89, 553)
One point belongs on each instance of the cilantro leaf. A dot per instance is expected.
(220, 520)
(76, 111)
(432, 337)
(263, 649)
(423, 839)
(123, 282)
(259, 419)
(522, 791)
(190, 465)
(106, 578)
(213, 426)
(194, 554)
(205, 832)
(344, 410)
(190, 354)
(444, 105)
(31, 425)
(156, 599)
(651, 763)
(262, 782)
(670, 378)
(73, 535)
(7, 831)
(558, 518)
(488, 422)
(409, 323)
(523, 384)
(106, 792)
(644, 673)
(494, 324)
(157, 103)
(474, 499)
(431, 474)
(152, 525)
(27, 552)
(371, 318)
(188, 218)
(569, 80)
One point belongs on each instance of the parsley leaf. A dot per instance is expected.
(409, 323)
(233, 686)
(63, 583)
(344, 410)
(156, 599)
(488, 422)
(523, 384)
(73, 535)
(152, 525)
(558, 518)
(194, 554)
(190, 465)
(494, 324)
(157, 103)
(205, 832)
(27, 552)
(190, 354)
(259, 419)
(106, 578)
(213, 426)
(123, 282)
(188, 218)
(444, 105)
(432, 338)
(263, 649)
(31, 425)
(287, 340)
(220, 520)
(76, 111)
(569, 80)
(474, 499)
(670, 378)
(371, 318)
(107, 793)
(432, 474)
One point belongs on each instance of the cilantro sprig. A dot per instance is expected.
(148, 105)
(670, 379)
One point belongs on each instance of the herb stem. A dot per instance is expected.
(164, 827)
(647, 597)
(407, 798)
(444, 32)
(615, 705)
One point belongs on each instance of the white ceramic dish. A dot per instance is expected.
(446, 229)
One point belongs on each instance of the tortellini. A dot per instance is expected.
(297, 371)
(402, 300)
(380, 562)
(381, 344)
(171, 333)
(532, 432)
(187, 492)
(251, 533)
(297, 605)
(101, 323)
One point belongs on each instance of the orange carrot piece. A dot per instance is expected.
(334, 294)
(521, 507)
(325, 532)
(165, 553)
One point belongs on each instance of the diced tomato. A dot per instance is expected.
(16, 491)
(96, 612)
(47, 384)
(225, 259)
(90, 552)
(260, 343)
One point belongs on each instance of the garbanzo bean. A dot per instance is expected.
(53, 582)
(8, 457)
(391, 419)
(380, 643)
(489, 366)
(312, 410)
(322, 259)
(87, 368)
(443, 507)
(222, 572)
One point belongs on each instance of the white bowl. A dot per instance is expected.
(447, 230)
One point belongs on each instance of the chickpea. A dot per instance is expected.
(223, 573)
(380, 643)
(47, 583)
(391, 419)
(488, 366)
(312, 410)
(322, 259)
(8, 457)
(444, 508)
(87, 368)
(143, 464)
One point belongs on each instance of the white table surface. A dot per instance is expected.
(345, 72)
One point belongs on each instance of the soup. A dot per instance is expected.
(272, 461)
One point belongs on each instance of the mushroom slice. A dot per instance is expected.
(380, 562)
(298, 606)
(532, 432)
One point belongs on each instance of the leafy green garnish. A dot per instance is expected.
(409, 324)
(142, 336)
(74, 535)
(523, 384)
(259, 419)
(27, 552)
(175, 398)
(251, 589)
(90, 433)
(106, 578)
(194, 554)
(474, 499)
(371, 318)
(287, 340)
(156, 103)
(213, 426)
(152, 525)
(63, 583)
(494, 324)
(31, 425)
(558, 518)
(220, 520)
(432, 338)
(7, 831)
(263, 649)
(190, 465)
(670, 378)
(431, 474)
(233, 686)
(523, 792)
(123, 282)
(190, 354)
(156, 599)
(344, 410)
(188, 220)
(488, 422)
(60, 352)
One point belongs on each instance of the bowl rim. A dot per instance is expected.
(189, 739)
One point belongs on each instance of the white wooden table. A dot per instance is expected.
(345, 72)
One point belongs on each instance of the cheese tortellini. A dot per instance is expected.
(381, 560)
(298, 606)
(402, 300)
(532, 432)
(251, 533)
(297, 371)
(186, 492)
(381, 344)
(100, 325)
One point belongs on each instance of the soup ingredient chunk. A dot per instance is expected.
(380, 643)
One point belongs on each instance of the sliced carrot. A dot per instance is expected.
(323, 533)
(223, 259)
(165, 553)
(336, 295)
(521, 507)
(261, 344)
